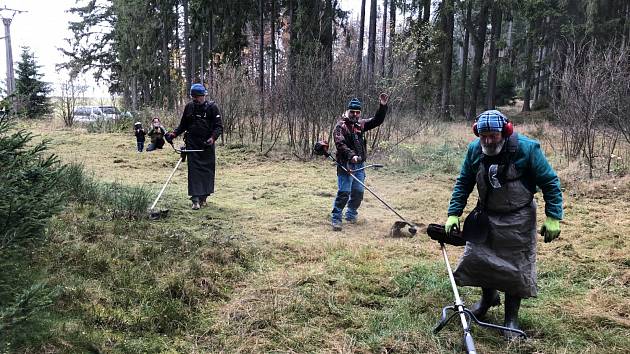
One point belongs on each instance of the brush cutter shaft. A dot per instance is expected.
(468, 340)
(375, 166)
(368, 189)
(165, 184)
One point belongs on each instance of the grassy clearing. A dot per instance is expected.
(259, 270)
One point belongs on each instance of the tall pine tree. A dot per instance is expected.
(31, 93)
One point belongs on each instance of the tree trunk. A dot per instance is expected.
(626, 30)
(273, 43)
(426, 14)
(193, 61)
(541, 53)
(261, 69)
(509, 49)
(371, 42)
(529, 53)
(211, 51)
(392, 38)
(384, 38)
(359, 61)
(202, 63)
(291, 56)
(479, 40)
(495, 36)
(134, 94)
(559, 66)
(447, 56)
(462, 92)
(326, 36)
(187, 51)
(166, 65)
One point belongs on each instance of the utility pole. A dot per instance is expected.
(9, 52)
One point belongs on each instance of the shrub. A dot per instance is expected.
(506, 89)
(30, 197)
(110, 126)
(29, 179)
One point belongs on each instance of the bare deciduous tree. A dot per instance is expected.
(70, 92)
(587, 107)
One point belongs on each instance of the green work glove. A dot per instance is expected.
(550, 229)
(450, 223)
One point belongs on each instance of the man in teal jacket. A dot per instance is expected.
(506, 168)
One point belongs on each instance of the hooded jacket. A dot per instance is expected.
(529, 160)
(349, 136)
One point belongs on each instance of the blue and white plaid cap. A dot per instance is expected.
(491, 121)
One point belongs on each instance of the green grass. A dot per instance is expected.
(259, 270)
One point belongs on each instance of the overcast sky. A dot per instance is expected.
(43, 28)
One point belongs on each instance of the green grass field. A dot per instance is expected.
(260, 270)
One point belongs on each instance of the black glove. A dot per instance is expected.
(169, 137)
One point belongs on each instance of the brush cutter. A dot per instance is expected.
(321, 149)
(162, 213)
(438, 233)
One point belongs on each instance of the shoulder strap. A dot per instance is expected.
(512, 142)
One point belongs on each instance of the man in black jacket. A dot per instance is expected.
(201, 122)
(352, 152)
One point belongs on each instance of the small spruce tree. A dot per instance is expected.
(31, 93)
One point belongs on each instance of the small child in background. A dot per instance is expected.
(140, 133)
(156, 134)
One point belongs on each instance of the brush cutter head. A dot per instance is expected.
(398, 229)
(156, 214)
(321, 148)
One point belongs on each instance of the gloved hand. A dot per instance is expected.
(451, 222)
(210, 141)
(169, 137)
(355, 159)
(383, 98)
(550, 229)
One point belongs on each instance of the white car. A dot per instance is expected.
(87, 114)
(109, 112)
(94, 113)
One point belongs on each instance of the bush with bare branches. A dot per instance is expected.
(590, 104)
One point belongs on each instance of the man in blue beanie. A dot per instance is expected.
(506, 168)
(352, 151)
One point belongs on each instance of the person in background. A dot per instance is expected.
(349, 135)
(156, 134)
(140, 133)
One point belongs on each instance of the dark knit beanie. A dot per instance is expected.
(355, 104)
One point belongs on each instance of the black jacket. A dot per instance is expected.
(349, 136)
(200, 122)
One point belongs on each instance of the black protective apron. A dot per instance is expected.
(201, 165)
(506, 261)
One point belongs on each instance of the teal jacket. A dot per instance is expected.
(529, 160)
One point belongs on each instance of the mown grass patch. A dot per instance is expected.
(441, 158)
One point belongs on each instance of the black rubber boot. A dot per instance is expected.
(512, 305)
(489, 298)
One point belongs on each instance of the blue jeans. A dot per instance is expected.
(349, 193)
(140, 146)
